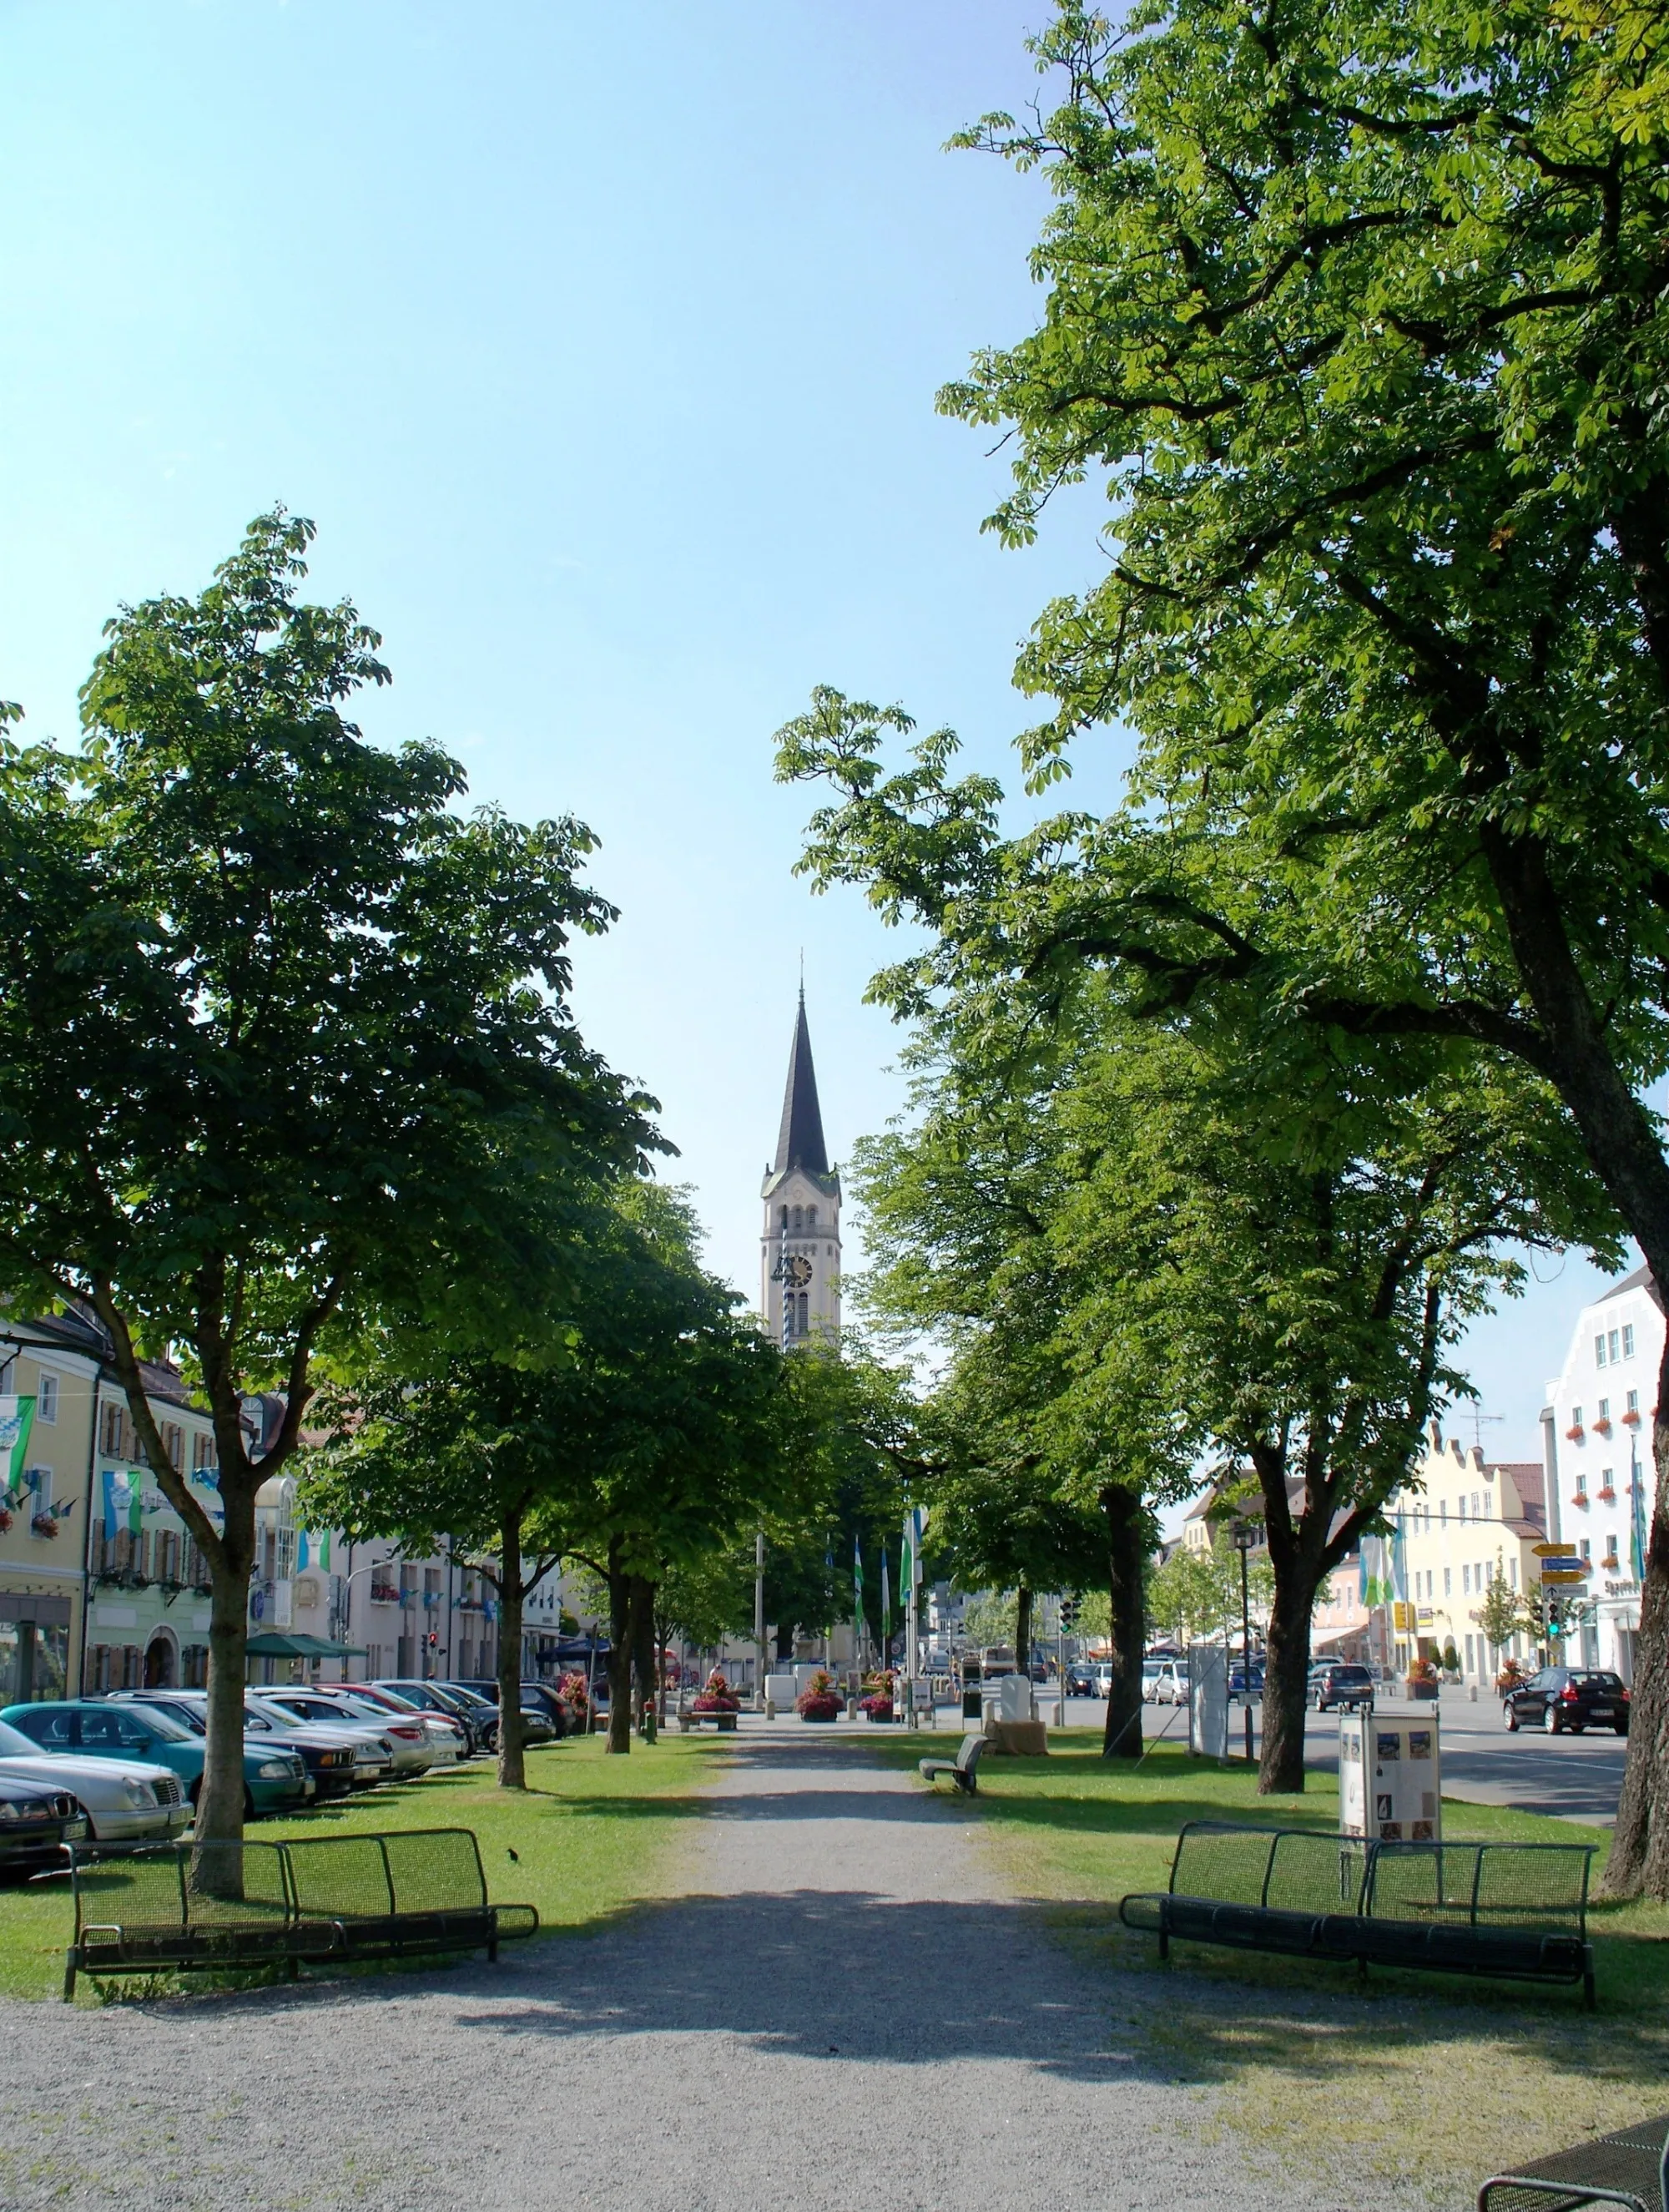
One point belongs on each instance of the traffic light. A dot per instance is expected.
(433, 1641)
(1068, 1607)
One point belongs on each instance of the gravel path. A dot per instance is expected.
(846, 2011)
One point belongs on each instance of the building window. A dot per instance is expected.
(810, 1217)
(46, 1399)
(1466, 1582)
(1633, 1403)
(1582, 1486)
(805, 1313)
(782, 1218)
(203, 1451)
(799, 1220)
(1610, 1343)
(1512, 1574)
(113, 1420)
(1447, 1584)
(1599, 1349)
(1603, 1413)
(1576, 1417)
(1627, 1339)
(1460, 1508)
(8, 1375)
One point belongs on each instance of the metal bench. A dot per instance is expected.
(1629, 2166)
(179, 1908)
(1516, 1912)
(963, 1769)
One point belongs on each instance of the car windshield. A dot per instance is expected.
(1611, 1683)
(14, 1744)
(159, 1723)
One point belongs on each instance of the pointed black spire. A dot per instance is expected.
(800, 1138)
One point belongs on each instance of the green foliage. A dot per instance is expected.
(1194, 1594)
(1502, 1614)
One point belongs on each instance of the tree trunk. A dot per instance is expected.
(1022, 1614)
(1286, 1677)
(220, 1815)
(644, 1667)
(1126, 1547)
(626, 1607)
(1639, 1861)
(512, 1756)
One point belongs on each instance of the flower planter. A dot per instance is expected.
(1607, 1496)
(881, 1715)
(43, 1524)
(822, 1719)
(1602, 1428)
(1575, 1436)
(1631, 1420)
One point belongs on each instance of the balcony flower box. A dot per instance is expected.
(1606, 1495)
(1602, 1428)
(5, 1519)
(1580, 1497)
(1575, 1432)
(1632, 1417)
(1611, 1563)
(43, 1524)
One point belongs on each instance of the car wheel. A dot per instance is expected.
(1551, 1721)
(1509, 1719)
(249, 1802)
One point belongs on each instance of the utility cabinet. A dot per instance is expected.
(1390, 1787)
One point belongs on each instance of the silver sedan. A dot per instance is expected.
(126, 1800)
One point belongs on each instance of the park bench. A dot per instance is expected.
(174, 1908)
(724, 1723)
(1518, 1912)
(1629, 2168)
(963, 1769)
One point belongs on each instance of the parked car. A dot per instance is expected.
(275, 1781)
(332, 1765)
(36, 1819)
(1080, 1680)
(1165, 1681)
(539, 1723)
(407, 1738)
(1241, 1678)
(1333, 1684)
(445, 1735)
(481, 1713)
(1564, 1700)
(123, 1801)
(475, 1721)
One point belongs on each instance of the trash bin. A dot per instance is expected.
(971, 1703)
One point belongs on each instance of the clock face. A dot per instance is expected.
(797, 1272)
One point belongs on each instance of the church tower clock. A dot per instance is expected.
(799, 1250)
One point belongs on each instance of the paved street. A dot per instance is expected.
(847, 2010)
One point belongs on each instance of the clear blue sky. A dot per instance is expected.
(601, 345)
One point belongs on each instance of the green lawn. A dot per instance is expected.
(592, 1836)
(1452, 2079)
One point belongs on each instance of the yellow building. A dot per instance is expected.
(1469, 1522)
(49, 1377)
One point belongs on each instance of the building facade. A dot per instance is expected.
(799, 1245)
(1596, 1432)
(1463, 1525)
(49, 1375)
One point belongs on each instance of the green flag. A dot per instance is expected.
(16, 1420)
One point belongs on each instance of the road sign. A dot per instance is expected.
(1564, 1574)
(1550, 1550)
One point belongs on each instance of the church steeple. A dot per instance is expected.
(800, 1137)
(799, 1245)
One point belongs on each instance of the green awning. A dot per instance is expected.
(280, 1643)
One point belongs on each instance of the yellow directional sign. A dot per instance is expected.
(1564, 1574)
(1550, 1550)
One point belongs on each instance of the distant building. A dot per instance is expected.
(1463, 1523)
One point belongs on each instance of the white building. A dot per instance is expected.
(1596, 1432)
(799, 1246)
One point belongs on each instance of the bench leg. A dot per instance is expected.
(492, 1952)
(1164, 1942)
(1588, 1998)
(1362, 1972)
(72, 1962)
(294, 1968)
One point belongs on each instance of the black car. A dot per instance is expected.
(34, 1820)
(1335, 1684)
(1567, 1699)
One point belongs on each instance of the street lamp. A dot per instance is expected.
(1245, 1534)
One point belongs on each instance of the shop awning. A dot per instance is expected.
(280, 1643)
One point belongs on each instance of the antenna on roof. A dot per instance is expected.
(1477, 1420)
